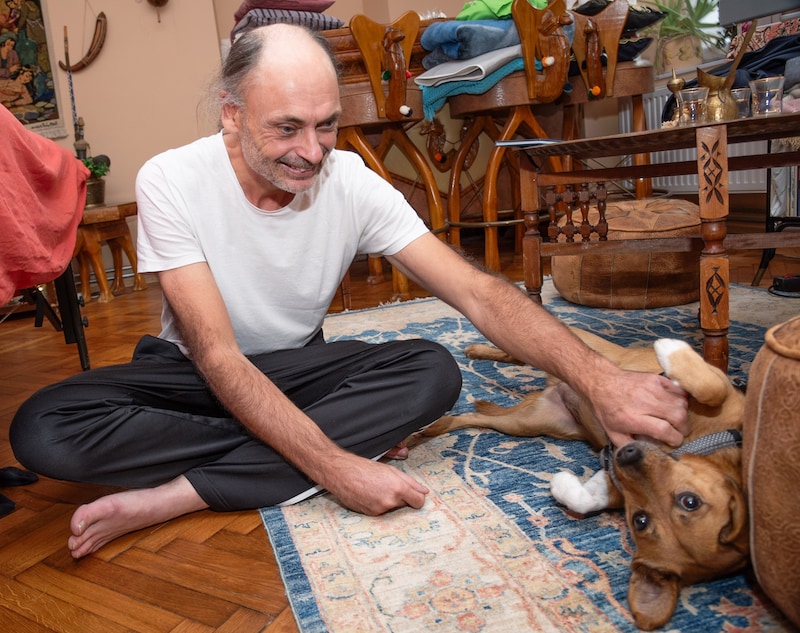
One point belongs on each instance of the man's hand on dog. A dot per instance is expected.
(636, 405)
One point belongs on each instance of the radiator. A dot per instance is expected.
(752, 180)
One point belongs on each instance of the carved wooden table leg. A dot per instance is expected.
(712, 170)
(532, 241)
(91, 254)
(118, 284)
(118, 245)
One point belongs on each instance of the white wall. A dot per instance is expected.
(141, 94)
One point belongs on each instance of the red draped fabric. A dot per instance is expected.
(42, 193)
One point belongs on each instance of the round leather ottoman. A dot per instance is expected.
(635, 280)
(771, 444)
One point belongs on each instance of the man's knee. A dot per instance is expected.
(27, 433)
(438, 376)
(36, 437)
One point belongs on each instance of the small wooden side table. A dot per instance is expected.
(106, 224)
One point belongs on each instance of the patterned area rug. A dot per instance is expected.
(491, 551)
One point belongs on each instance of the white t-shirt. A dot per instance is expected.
(277, 271)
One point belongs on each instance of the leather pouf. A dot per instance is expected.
(771, 462)
(634, 280)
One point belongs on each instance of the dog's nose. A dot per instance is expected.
(629, 454)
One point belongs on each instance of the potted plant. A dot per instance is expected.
(686, 28)
(98, 167)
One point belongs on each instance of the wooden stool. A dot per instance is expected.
(630, 281)
(106, 224)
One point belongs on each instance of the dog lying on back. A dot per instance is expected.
(685, 508)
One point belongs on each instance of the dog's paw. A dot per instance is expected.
(479, 351)
(578, 496)
(687, 369)
(665, 348)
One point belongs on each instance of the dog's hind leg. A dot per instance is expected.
(687, 369)
(539, 413)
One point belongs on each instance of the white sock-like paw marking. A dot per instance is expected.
(578, 496)
(664, 348)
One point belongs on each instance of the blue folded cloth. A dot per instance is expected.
(434, 97)
(463, 39)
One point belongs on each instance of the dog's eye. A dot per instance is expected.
(640, 521)
(689, 501)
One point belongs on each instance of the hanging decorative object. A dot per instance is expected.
(98, 166)
(81, 146)
(98, 39)
(158, 4)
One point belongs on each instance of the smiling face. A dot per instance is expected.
(288, 122)
(287, 129)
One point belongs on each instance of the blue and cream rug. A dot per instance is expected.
(491, 551)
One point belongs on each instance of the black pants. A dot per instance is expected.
(143, 423)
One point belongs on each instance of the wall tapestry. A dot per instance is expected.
(28, 68)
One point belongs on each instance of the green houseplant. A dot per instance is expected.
(687, 26)
(98, 167)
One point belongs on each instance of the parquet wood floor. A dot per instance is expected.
(203, 572)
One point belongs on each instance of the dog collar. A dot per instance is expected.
(704, 445)
(607, 459)
(710, 443)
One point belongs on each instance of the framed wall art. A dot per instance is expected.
(28, 67)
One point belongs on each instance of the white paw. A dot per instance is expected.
(580, 497)
(664, 348)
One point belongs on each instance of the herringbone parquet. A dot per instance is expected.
(203, 572)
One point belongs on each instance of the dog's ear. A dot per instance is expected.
(736, 531)
(652, 596)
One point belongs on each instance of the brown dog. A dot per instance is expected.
(685, 509)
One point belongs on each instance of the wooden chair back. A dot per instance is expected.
(542, 38)
(594, 35)
(386, 50)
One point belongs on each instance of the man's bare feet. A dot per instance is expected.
(398, 452)
(96, 523)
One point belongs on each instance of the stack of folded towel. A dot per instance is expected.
(470, 54)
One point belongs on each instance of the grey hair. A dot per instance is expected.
(244, 57)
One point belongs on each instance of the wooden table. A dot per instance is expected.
(106, 224)
(712, 167)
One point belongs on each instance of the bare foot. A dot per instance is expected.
(96, 523)
(398, 452)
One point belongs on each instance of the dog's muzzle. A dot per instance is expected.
(632, 453)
